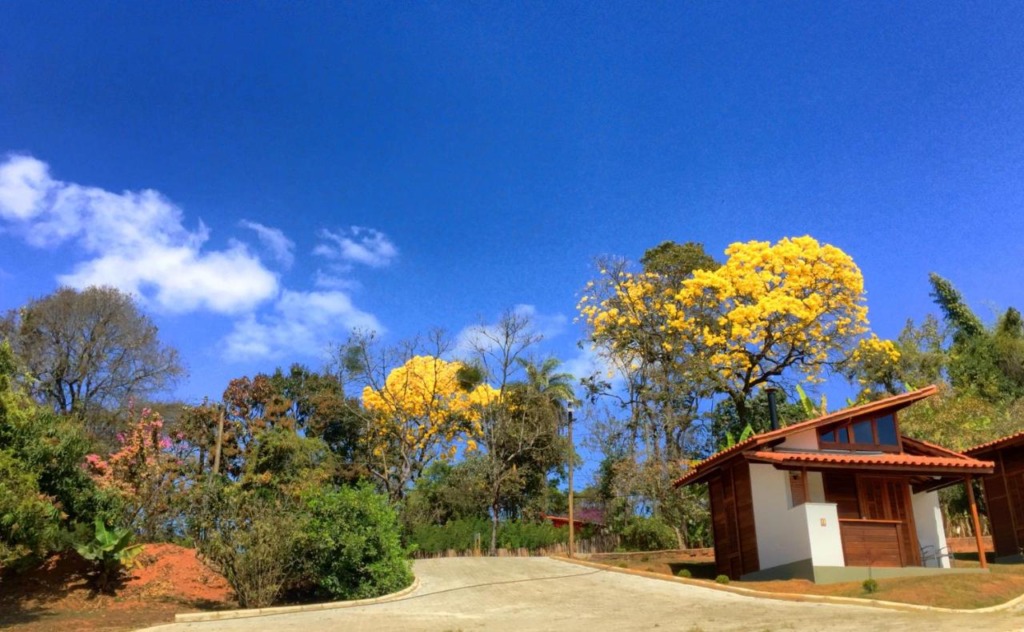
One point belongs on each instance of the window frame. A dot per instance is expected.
(848, 425)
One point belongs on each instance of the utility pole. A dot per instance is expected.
(572, 522)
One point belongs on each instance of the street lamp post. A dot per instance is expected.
(572, 522)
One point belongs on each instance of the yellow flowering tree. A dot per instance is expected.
(770, 308)
(628, 316)
(796, 304)
(421, 412)
(875, 366)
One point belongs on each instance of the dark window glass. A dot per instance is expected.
(844, 435)
(862, 432)
(886, 430)
(828, 437)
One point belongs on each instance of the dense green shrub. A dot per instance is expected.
(684, 572)
(722, 579)
(352, 545)
(253, 538)
(44, 491)
(870, 586)
(647, 534)
(29, 522)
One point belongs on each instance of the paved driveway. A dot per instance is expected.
(516, 594)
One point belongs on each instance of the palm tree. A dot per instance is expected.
(557, 388)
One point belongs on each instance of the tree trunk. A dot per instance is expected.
(494, 529)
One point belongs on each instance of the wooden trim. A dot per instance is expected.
(872, 520)
(860, 447)
(868, 469)
(975, 521)
(915, 543)
(899, 435)
(1009, 504)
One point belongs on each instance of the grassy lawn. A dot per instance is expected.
(1003, 583)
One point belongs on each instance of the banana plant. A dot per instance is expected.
(811, 408)
(110, 550)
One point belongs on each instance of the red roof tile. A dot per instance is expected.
(992, 446)
(929, 448)
(896, 461)
(893, 403)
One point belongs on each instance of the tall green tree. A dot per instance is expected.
(90, 350)
(986, 361)
(519, 426)
(44, 490)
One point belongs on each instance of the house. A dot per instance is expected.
(592, 517)
(842, 497)
(1004, 494)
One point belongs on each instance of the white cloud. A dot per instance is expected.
(273, 240)
(589, 362)
(22, 181)
(135, 241)
(302, 323)
(365, 246)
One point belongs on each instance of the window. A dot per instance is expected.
(798, 488)
(864, 434)
(886, 430)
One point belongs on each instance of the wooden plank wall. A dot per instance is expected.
(745, 517)
(868, 543)
(1004, 495)
(732, 518)
(842, 490)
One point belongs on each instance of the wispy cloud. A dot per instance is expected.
(301, 323)
(280, 247)
(357, 245)
(342, 250)
(134, 240)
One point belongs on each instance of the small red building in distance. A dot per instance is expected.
(581, 518)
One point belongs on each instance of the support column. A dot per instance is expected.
(977, 523)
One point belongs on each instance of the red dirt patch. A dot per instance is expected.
(57, 596)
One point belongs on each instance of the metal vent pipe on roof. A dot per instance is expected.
(773, 410)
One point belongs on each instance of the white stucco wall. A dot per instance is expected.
(823, 532)
(788, 534)
(806, 440)
(930, 531)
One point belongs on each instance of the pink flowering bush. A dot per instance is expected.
(144, 472)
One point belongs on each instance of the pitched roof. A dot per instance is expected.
(991, 446)
(917, 463)
(889, 404)
(920, 446)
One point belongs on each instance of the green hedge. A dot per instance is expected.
(648, 534)
(460, 535)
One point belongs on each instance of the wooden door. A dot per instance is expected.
(888, 499)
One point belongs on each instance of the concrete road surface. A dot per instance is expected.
(517, 594)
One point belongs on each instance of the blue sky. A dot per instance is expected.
(266, 176)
